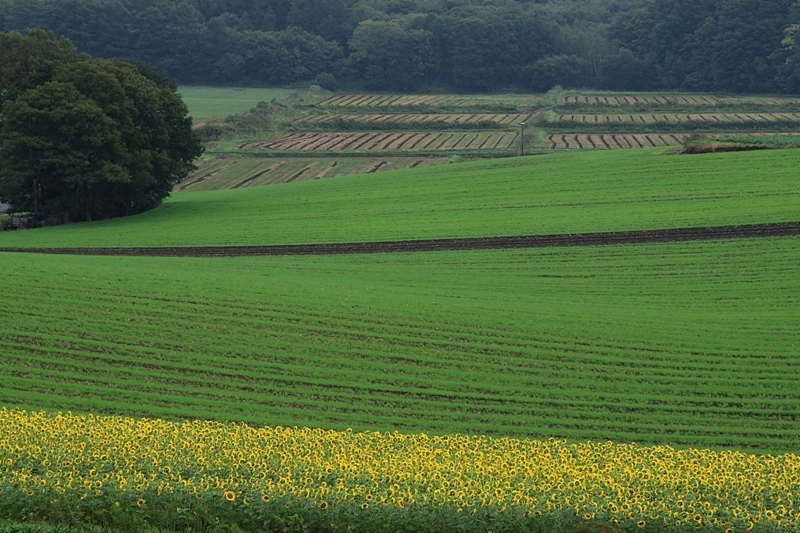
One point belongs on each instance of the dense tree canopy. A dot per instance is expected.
(467, 45)
(85, 138)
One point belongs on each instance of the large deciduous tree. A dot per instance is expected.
(82, 138)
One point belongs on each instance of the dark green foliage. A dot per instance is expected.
(566, 70)
(95, 139)
(469, 45)
(387, 55)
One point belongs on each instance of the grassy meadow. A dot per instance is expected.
(553, 194)
(461, 391)
(207, 102)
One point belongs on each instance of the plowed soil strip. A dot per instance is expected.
(442, 245)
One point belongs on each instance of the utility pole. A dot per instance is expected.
(521, 150)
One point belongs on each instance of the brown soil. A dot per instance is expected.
(719, 147)
(443, 245)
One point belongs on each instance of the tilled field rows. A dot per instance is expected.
(640, 99)
(235, 173)
(677, 118)
(418, 118)
(679, 343)
(607, 141)
(387, 141)
(404, 100)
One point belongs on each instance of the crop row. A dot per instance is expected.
(688, 344)
(678, 118)
(415, 118)
(393, 100)
(234, 173)
(639, 99)
(426, 100)
(611, 141)
(419, 141)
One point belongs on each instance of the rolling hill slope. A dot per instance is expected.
(692, 344)
(554, 194)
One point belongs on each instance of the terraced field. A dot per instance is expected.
(375, 141)
(426, 100)
(682, 118)
(390, 127)
(641, 99)
(405, 120)
(611, 141)
(250, 172)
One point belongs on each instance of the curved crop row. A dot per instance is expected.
(373, 120)
(433, 141)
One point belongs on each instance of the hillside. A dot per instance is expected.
(554, 194)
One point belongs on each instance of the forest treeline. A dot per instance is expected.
(741, 46)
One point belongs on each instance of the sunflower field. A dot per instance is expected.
(134, 474)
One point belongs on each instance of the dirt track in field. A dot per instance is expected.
(443, 245)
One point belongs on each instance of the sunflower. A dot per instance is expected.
(323, 505)
(368, 497)
(697, 518)
(30, 493)
(641, 523)
(365, 505)
(140, 502)
(401, 504)
(729, 530)
(265, 498)
(230, 495)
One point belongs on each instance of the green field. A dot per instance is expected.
(690, 344)
(207, 102)
(559, 193)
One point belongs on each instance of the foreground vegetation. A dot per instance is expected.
(132, 474)
(428, 366)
